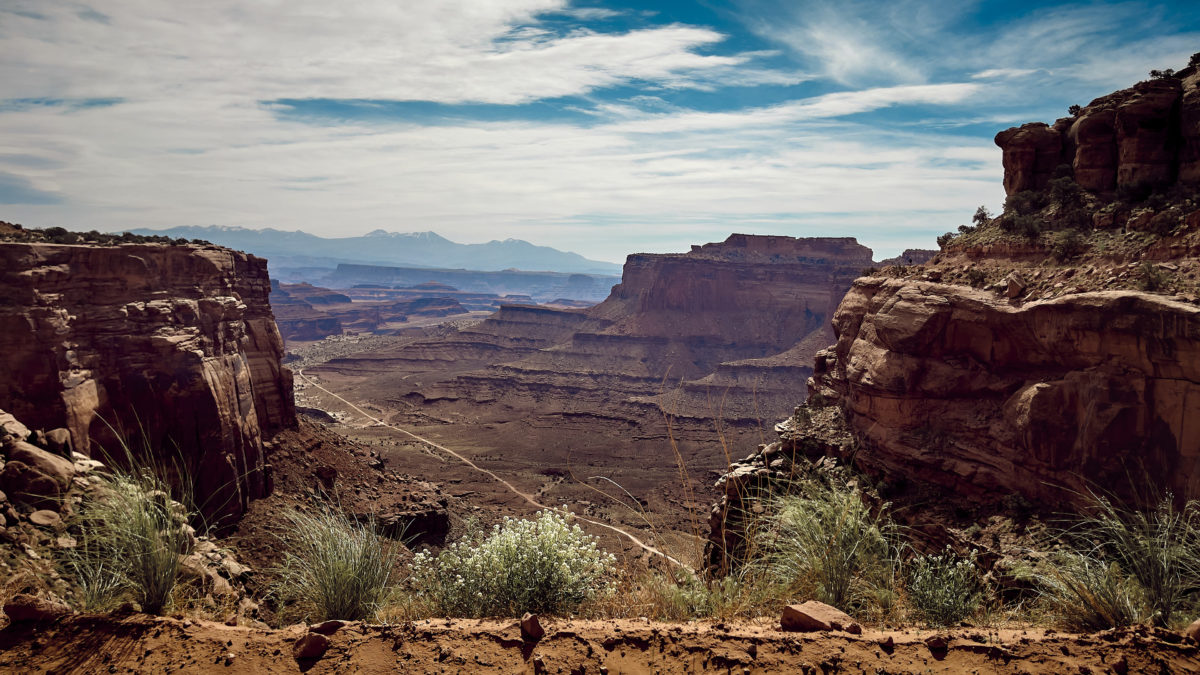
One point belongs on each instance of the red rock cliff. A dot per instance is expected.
(1147, 136)
(174, 342)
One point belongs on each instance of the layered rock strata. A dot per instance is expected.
(987, 396)
(174, 347)
(1147, 136)
(722, 331)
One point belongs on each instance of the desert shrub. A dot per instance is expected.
(540, 565)
(982, 215)
(338, 566)
(1124, 565)
(976, 277)
(1194, 60)
(1075, 110)
(945, 239)
(944, 589)
(825, 541)
(1151, 278)
(1029, 226)
(1165, 74)
(132, 535)
(1068, 245)
(1024, 202)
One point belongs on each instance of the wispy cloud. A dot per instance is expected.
(618, 129)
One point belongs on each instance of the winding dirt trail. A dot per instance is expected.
(523, 495)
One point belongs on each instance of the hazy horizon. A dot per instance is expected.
(600, 128)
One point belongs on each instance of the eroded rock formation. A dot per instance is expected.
(1147, 136)
(175, 346)
(966, 389)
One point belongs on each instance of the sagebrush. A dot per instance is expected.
(545, 565)
(944, 589)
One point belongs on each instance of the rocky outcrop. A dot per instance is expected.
(1147, 136)
(174, 346)
(988, 397)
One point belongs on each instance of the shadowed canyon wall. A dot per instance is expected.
(176, 344)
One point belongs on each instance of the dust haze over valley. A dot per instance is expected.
(617, 337)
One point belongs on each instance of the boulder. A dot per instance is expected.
(310, 646)
(814, 616)
(58, 441)
(531, 628)
(11, 429)
(26, 485)
(47, 463)
(23, 607)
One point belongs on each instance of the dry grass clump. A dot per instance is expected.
(132, 537)
(1124, 565)
(335, 566)
(826, 543)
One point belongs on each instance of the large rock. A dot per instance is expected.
(23, 607)
(814, 616)
(176, 344)
(953, 386)
(26, 485)
(58, 468)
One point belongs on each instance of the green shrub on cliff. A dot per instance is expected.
(540, 565)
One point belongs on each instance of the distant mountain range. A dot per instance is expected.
(419, 249)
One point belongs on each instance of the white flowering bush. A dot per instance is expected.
(944, 589)
(541, 565)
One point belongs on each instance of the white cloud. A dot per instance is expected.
(449, 51)
(992, 73)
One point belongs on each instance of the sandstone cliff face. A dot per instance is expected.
(176, 343)
(954, 386)
(1144, 136)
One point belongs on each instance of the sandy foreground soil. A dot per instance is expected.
(143, 644)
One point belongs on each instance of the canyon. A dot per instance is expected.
(687, 359)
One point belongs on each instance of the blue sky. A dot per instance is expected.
(599, 127)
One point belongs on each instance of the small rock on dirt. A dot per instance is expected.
(310, 646)
(1193, 631)
(813, 616)
(531, 628)
(936, 643)
(45, 518)
(327, 627)
(23, 607)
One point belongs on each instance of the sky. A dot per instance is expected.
(603, 128)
